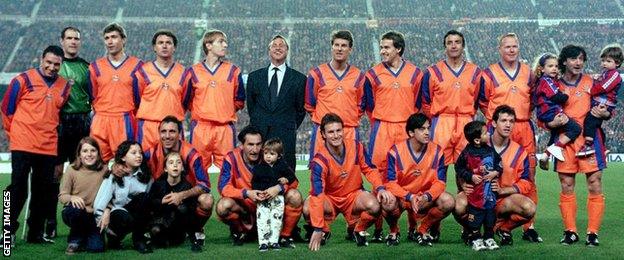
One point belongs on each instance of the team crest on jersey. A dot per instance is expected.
(212, 84)
(343, 174)
(116, 78)
(514, 89)
(578, 93)
(471, 217)
(48, 97)
(457, 85)
(339, 89)
(164, 85)
(592, 160)
(416, 172)
(396, 85)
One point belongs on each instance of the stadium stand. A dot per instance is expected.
(308, 24)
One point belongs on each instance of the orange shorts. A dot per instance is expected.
(382, 137)
(112, 130)
(343, 205)
(212, 140)
(523, 133)
(148, 135)
(447, 131)
(316, 140)
(589, 164)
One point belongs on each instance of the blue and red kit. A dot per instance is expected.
(470, 162)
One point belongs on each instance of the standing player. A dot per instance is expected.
(513, 206)
(510, 82)
(114, 93)
(449, 95)
(214, 93)
(75, 118)
(30, 117)
(336, 87)
(336, 186)
(392, 89)
(237, 206)
(170, 129)
(577, 85)
(160, 86)
(392, 94)
(417, 177)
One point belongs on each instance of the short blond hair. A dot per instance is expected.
(210, 36)
(507, 35)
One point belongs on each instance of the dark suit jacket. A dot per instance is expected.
(284, 117)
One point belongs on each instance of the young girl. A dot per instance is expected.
(549, 100)
(120, 202)
(169, 221)
(270, 172)
(79, 186)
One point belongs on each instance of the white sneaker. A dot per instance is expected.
(477, 245)
(556, 151)
(543, 161)
(491, 244)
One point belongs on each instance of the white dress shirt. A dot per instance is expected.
(280, 75)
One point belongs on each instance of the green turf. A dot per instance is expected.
(548, 224)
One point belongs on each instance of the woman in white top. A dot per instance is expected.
(120, 202)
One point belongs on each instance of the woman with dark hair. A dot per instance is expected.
(78, 189)
(120, 202)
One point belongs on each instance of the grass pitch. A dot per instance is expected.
(549, 225)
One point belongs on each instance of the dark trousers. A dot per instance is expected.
(42, 167)
(170, 224)
(82, 229)
(52, 206)
(481, 217)
(590, 125)
(132, 219)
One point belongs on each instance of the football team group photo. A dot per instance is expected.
(165, 151)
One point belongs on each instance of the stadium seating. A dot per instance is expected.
(308, 24)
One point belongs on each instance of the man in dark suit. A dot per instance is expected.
(275, 99)
(275, 104)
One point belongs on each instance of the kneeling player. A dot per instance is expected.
(337, 185)
(417, 177)
(514, 207)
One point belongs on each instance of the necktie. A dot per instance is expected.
(273, 86)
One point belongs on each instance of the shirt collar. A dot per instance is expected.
(282, 68)
(137, 172)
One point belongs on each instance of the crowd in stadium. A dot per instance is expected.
(248, 50)
(162, 124)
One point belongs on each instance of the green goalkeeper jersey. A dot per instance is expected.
(76, 72)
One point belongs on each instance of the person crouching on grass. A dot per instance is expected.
(169, 223)
(270, 172)
(79, 186)
(120, 202)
